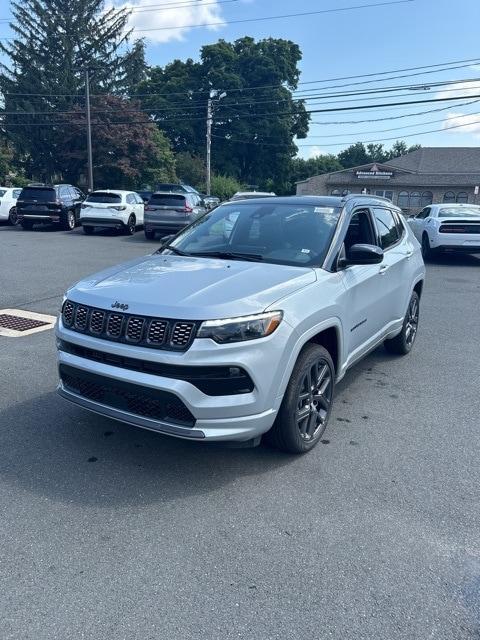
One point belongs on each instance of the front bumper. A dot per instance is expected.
(238, 417)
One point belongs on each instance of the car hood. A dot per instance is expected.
(191, 288)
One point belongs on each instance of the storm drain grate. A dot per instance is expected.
(16, 322)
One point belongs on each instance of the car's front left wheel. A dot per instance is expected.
(307, 403)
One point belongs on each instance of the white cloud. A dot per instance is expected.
(309, 152)
(460, 89)
(173, 24)
(463, 123)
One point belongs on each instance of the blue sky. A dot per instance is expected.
(362, 41)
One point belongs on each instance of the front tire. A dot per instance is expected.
(403, 343)
(68, 221)
(131, 226)
(13, 217)
(307, 403)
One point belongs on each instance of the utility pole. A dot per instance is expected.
(209, 142)
(89, 131)
(213, 94)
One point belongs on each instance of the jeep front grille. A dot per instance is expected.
(156, 333)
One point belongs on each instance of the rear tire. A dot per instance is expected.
(68, 221)
(12, 217)
(307, 403)
(88, 230)
(27, 225)
(403, 343)
(427, 251)
(149, 235)
(131, 226)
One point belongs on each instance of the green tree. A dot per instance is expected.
(302, 169)
(224, 187)
(43, 73)
(255, 123)
(358, 154)
(190, 168)
(128, 151)
(354, 156)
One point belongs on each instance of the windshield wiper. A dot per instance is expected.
(229, 255)
(173, 249)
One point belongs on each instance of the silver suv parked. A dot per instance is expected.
(243, 323)
(168, 212)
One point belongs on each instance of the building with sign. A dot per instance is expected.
(425, 176)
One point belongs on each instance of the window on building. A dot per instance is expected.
(427, 198)
(415, 200)
(449, 197)
(403, 200)
(462, 197)
(335, 192)
(384, 194)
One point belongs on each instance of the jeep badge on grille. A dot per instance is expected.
(119, 305)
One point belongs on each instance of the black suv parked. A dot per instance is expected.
(58, 204)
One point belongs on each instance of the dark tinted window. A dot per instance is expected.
(38, 193)
(167, 186)
(106, 198)
(168, 200)
(387, 227)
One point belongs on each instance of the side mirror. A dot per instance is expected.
(364, 254)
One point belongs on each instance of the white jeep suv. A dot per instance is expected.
(244, 321)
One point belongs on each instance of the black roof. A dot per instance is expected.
(316, 201)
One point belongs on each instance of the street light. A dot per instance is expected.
(214, 94)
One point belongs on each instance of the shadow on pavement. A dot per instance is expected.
(53, 449)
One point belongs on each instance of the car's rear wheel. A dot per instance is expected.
(427, 251)
(149, 235)
(131, 226)
(88, 230)
(307, 403)
(68, 221)
(403, 343)
(13, 217)
(27, 225)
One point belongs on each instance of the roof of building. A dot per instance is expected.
(440, 160)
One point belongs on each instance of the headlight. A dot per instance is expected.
(241, 328)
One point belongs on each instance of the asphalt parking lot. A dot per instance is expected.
(111, 532)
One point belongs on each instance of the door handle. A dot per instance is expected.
(383, 270)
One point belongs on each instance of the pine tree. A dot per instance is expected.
(54, 41)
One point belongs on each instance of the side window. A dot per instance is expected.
(64, 193)
(130, 199)
(387, 227)
(16, 193)
(138, 198)
(399, 223)
(424, 213)
(359, 230)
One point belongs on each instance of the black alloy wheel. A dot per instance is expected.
(69, 221)
(13, 217)
(427, 251)
(403, 342)
(307, 403)
(131, 226)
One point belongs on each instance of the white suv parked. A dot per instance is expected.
(447, 226)
(122, 210)
(243, 323)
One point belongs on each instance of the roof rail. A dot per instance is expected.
(352, 196)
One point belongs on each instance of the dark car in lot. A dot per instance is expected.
(170, 212)
(145, 195)
(175, 187)
(56, 204)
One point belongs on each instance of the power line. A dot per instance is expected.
(435, 68)
(336, 144)
(277, 17)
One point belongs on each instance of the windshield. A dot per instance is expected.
(459, 212)
(290, 234)
(38, 193)
(105, 198)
